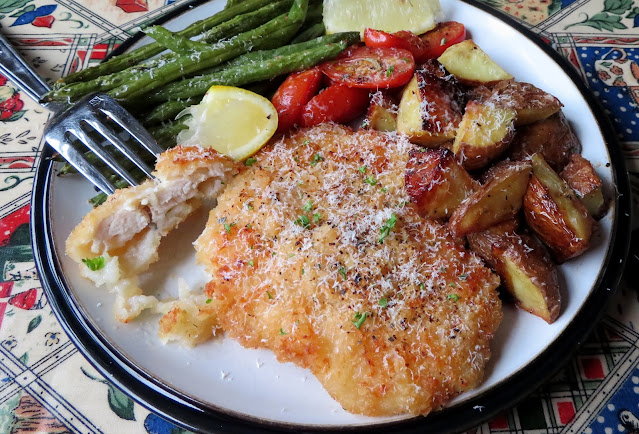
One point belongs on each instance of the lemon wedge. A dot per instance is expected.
(231, 120)
(418, 16)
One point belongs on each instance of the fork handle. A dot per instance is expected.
(14, 67)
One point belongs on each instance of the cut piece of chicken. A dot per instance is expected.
(126, 230)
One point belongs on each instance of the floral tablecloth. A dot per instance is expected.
(46, 385)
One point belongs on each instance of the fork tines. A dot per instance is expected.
(97, 113)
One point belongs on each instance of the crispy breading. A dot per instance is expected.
(126, 230)
(317, 254)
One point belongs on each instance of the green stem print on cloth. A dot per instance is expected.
(121, 404)
(610, 18)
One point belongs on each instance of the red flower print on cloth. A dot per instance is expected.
(39, 17)
(10, 102)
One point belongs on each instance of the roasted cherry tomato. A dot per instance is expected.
(403, 39)
(436, 41)
(372, 68)
(292, 95)
(380, 39)
(337, 103)
(415, 45)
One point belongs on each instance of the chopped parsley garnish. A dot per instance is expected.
(386, 228)
(342, 272)
(249, 205)
(94, 264)
(383, 302)
(227, 227)
(452, 285)
(362, 169)
(250, 161)
(282, 332)
(308, 206)
(306, 142)
(384, 189)
(359, 319)
(453, 297)
(316, 217)
(268, 294)
(251, 263)
(209, 300)
(370, 180)
(421, 286)
(316, 159)
(249, 226)
(303, 221)
(463, 276)
(390, 70)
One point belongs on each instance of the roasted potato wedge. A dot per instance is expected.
(525, 268)
(555, 213)
(482, 242)
(551, 137)
(484, 133)
(382, 113)
(529, 275)
(499, 199)
(531, 103)
(429, 112)
(436, 182)
(582, 178)
(471, 65)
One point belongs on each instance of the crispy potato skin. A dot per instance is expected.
(484, 133)
(549, 221)
(499, 199)
(482, 242)
(382, 113)
(429, 111)
(581, 177)
(524, 266)
(436, 182)
(551, 137)
(531, 103)
(471, 65)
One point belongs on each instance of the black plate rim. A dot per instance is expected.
(197, 416)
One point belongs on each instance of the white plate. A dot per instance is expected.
(221, 382)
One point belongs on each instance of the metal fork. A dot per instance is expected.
(91, 113)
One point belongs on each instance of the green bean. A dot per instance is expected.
(123, 61)
(174, 42)
(242, 23)
(166, 134)
(232, 27)
(243, 74)
(231, 3)
(168, 110)
(257, 56)
(141, 82)
(314, 31)
(315, 12)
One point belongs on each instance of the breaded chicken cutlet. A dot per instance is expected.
(317, 254)
(126, 230)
